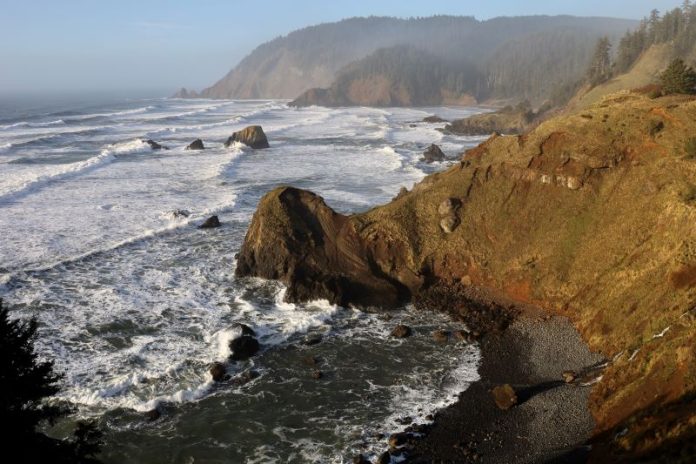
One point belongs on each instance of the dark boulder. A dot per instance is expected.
(317, 374)
(401, 331)
(252, 136)
(433, 153)
(243, 347)
(152, 415)
(384, 458)
(296, 238)
(397, 440)
(218, 371)
(154, 145)
(210, 223)
(360, 459)
(196, 145)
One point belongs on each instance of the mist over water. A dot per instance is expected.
(135, 302)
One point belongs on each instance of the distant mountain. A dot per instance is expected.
(498, 58)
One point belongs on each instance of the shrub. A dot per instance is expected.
(678, 78)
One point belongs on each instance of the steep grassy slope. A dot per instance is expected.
(644, 72)
(592, 215)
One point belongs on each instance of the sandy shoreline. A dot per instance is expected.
(551, 423)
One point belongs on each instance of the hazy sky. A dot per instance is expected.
(159, 46)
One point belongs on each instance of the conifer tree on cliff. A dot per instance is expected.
(678, 78)
(600, 66)
(25, 382)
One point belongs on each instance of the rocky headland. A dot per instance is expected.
(590, 216)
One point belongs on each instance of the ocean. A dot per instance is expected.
(135, 302)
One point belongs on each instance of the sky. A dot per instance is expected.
(156, 46)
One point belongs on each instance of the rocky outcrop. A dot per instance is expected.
(433, 154)
(252, 136)
(185, 93)
(509, 120)
(196, 145)
(588, 215)
(434, 119)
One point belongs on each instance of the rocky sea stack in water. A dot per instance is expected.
(252, 136)
(589, 215)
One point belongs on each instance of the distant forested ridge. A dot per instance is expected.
(421, 60)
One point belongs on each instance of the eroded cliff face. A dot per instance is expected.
(592, 215)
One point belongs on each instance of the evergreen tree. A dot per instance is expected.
(25, 382)
(678, 78)
(600, 66)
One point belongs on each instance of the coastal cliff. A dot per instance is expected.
(591, 215)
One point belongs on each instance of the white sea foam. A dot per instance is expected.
(32, 124)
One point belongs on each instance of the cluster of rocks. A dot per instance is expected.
(449, 220)
(242, 347)
(251, 136)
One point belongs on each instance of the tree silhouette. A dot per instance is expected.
(25, 382)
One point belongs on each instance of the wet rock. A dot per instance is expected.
(449, 207)
(441, 336)
(433, 153)
(569, 376)
(210, 223)
(246, 330)
(408, 420)
(243, 347)
(504, 396)
(152, 415)
(397, 440)
(317, 374)
(401, 331)
(218, 371)
(154, 145)
(196, 145)
(180, 213)
(252, 136)
(312, 339)
(384, 458)
(449, 224)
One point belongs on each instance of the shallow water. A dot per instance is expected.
(135, 303)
